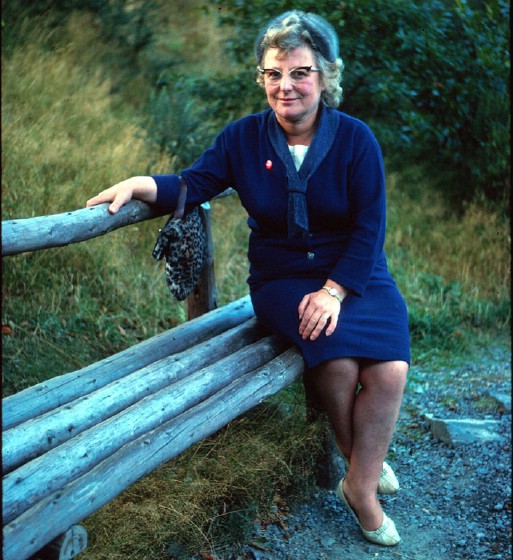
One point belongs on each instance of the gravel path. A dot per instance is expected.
(454, 502)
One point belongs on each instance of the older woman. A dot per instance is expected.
(312, 181)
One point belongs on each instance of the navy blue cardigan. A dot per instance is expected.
(345, 200)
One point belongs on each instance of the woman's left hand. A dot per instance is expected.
(318, 311)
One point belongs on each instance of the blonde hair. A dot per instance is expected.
(295, 29)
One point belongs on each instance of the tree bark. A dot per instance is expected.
(66, 546)
(58, 230)
(62, 389)
(54, 469)
(38, 435)
(204, 295)
(48, 518)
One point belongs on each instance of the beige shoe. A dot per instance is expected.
(386, 535)
(388, 483)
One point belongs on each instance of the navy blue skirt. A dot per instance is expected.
(374, 326)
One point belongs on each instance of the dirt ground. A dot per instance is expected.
(454, 502)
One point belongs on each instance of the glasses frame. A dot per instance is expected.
(307, 69)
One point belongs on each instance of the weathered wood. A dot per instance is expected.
(97, 430)
(58, 230)
(47, 519)
(66, 546)
(38, 435)
(62, 389)
(204, 295)
(36, 479)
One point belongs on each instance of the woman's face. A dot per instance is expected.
(293, 102)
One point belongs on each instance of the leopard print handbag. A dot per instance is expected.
(183, 243)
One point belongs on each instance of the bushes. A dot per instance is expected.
(431, 77)
(178, 124)
(127, 23)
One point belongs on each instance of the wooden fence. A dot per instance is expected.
(75, 442)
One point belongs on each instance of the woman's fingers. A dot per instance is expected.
(303, 305)
(316, 313)
(118, 195)
(330, 329)
(316, 326)
(119, 200)
(141, 187)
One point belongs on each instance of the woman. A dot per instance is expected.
(312, 181)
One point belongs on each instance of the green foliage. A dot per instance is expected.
(452, 268)
(179, 125)
(62, 142)
(127, 23)
(431, 77)
(436, 329)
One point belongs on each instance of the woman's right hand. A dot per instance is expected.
(142, 188)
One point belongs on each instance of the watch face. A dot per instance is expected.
(333, 292)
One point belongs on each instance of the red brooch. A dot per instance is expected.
(268, 164)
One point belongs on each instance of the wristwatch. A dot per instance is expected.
(333, 292)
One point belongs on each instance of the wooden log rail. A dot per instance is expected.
(75, 442)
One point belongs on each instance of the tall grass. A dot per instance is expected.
(212, 494)
(65, 137)
(453, 269)
(63, 141)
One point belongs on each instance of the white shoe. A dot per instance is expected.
(386, 535)
(388, 483)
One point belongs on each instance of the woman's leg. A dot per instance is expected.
(363, 423)
(334, 386)
(375, 414)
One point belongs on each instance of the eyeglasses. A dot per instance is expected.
(296, 75)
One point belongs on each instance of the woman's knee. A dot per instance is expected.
(387, 378)
(332, 380)
(341, 372)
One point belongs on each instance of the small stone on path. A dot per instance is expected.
(456, 432)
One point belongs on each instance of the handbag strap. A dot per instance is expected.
(180, 205)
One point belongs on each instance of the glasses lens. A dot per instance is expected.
(298, 74)
(272, 75)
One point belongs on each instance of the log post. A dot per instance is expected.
(39, 435)
(67, 546)
(43, 232)
(44, 521)
(62, 389)
(204, 295)
(34, 480)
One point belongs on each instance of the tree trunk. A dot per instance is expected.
(63, 389)
(78, 499)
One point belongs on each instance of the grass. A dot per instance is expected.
(453, 269)
(63, 141)
(66, 136)
(212, 492)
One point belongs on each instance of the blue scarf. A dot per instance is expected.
(298, 181)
